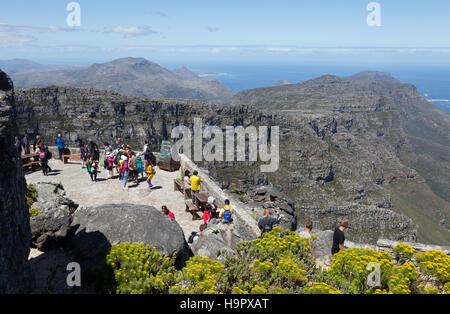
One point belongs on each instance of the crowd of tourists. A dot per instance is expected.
(120, 161)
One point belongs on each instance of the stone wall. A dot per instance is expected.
(247, 225)
(15, 235)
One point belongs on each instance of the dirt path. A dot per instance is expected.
(83, 191)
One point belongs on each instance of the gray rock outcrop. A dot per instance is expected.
(271, 198)
(50, 228)
(15, 272)
(96, 229)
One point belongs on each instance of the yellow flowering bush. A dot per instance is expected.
(280, 262)
(403, 252)
(31, 195)
(198, 277)
(349, 268)
(34, 212)
(447, 288)
(424, 290)
(435, 263)
(137, 268)
(321, 288)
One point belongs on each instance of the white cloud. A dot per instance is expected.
(278, 49)
(24, 28)
(132, 31)
(8, 39)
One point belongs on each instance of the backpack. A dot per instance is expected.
(191, 237)
(267, 228)
(43, 156)
(117, 159)
(227, 215)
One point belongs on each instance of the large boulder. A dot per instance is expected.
(50, 228)
(212, 245)
(322, 244)
(96, 229)
(15, 272)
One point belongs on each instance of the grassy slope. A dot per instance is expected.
(418, 202)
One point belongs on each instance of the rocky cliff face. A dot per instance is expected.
(15, 236)
(340, 150)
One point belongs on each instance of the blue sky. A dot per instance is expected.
(226, 31)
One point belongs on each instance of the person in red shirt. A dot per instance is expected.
(207, 214)
(167, 212)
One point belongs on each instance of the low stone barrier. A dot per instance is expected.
(247, 224)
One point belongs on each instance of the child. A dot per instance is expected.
(109, 165)
(207, 214)
(44, 161)
(151, 173)
(167, 212)
(226, 212)
(92, 168)
(140, 166)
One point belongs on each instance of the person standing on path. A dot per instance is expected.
(339, 237)
(110, 165)
(195, 186)
(266, 222)
(140, 165)
(18, 145)
(307, 234)
(151, 174)
(44, 161)
(92, 168)
(26, 144)
(93, 149)
(59, 141)
(124, 170)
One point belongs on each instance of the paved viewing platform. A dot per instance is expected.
(79, 188)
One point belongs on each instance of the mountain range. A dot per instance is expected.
(129, 76)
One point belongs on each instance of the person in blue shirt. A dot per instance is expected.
(59, 141)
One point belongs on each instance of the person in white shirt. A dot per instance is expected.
(307, 234)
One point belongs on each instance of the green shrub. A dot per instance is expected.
(403, 253)
(31, 195)
(34, 212)
(137, 269)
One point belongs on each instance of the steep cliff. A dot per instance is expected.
(15, 235)
(379, 137)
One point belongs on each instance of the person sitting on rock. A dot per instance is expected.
(226, 212)
(267, 222)
(167, 212)
(195, 235)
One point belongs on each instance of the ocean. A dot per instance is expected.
(433, 82)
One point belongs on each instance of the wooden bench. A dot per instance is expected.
(193, 209)
(180, 185)
(66, 157)
(32, 164)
